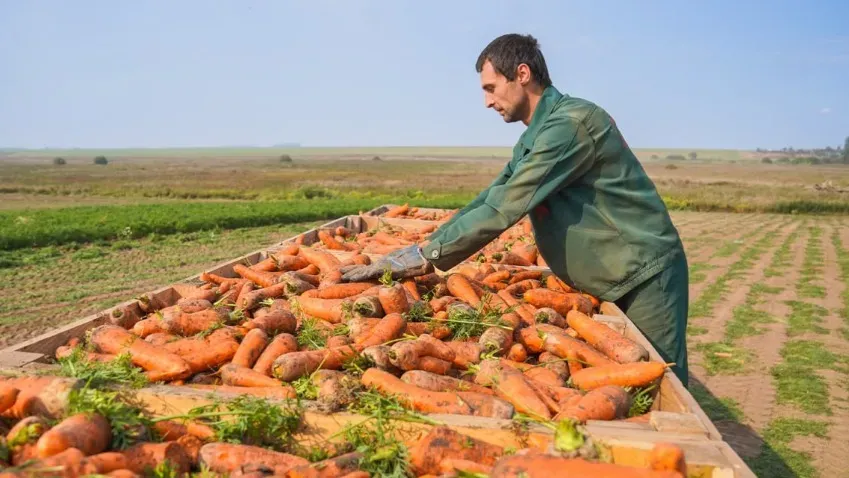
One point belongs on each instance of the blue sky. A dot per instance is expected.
(718, 74)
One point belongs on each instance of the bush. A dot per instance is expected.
(693, 155)
(285, 158)
(654, 156)
(376, 158)
(766, 160)
(101, 160)
(670, 166)
(59, 161)
(675, 157)
(782, 160)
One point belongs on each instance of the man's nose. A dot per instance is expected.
(488, 101)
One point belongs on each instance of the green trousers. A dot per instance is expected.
(658, 307)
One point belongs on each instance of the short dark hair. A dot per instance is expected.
(509, 51)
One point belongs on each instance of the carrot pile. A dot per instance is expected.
(491, 338)
(407, 212)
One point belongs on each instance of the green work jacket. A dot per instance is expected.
(598, 220)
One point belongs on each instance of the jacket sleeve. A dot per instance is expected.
(562, 151)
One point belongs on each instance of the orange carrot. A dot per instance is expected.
(294, 365)
(606, 340)
(393, 299)
(329, 241)
(331, 310)
(106, 462)
(89, 433)
(238, 376)
(443, 443)
(511, 385)
(440, 304)
(410, 285)
(604, 403)
(415, 397)
(342, 291)
(397, 211)
(262, 279)
(170, 430)
(8, 396)
(497, 276)
(205, 354)
(519, 288)
(334, 467)
(311, 270)
(389, 328)
(517, 353)
(559, 301)
(228, 458)
(638, 374)
(251, 348)
(547, 315)
(143, 457)
(407, 354)
(275, 322)
(465, 353)
(325, 261)
(159, 364)
(460, 287)
(441, 383)
(280, 345)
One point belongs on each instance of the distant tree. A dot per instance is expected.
(654, 156)
(693, 155)
(285, 158)
(676, 157)
(59, 161)
(376, 158)
(846, 151)
(101, 160)
(766, 160)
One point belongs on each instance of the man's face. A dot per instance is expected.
(506, 97)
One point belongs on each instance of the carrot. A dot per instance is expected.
(379, 356)
(342, 291)
(254, 298)
(368, 306)
(170, 430)
(205, 354)
(389, 328)
(410, 285)
(89, 433)
(511, 301)
(185, 324)
(159, 364)
(517, 353)
(330, 468)
(460, 287)
(546, 466)
(329, 241)
(193, 305)
(606, 340)
(106, 462)
(239, 376)
(497, 276)
(638, 374)
(280, 345)
(496, 339)
(294, 365)
(604, 403)
(393, 299)
(8, 396)
(556, 341)
(432, 365)
(514, 259)
(397, 211)
(146, 327)
(125, 316)
(360, 325)
(487, 405)
(331, 310)
(519, 288)
(358, 260)
(70, 461)
(415, 397)
(511, 385)
(443, 443)
(439, 383)
(275, 322)
(337, 341)
(667, 457)
(311, 270)
(407, 354)
(559, 301)
(440, 304)
(555, 364)
(228, 458)
(547, 315)
(251, 348)
(290, 249)
(453, 466)
(325, 261)
(143, 457)
(465, 353)
(262, 279)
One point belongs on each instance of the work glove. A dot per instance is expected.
(403, 263)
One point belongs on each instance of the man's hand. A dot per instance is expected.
(403, 263)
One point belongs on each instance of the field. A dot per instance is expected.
(769, 289)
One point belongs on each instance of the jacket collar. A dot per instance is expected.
(549, 98)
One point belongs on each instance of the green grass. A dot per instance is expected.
(42, 227)
(796, 379)
(777, 459)
(805, 317)
(745, 319)
(724, 358)
(694, 330)
(812, 266)
(697, 271)
(843, 262)
(781, 258)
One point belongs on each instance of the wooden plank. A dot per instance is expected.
(677, 422)
(16, 359)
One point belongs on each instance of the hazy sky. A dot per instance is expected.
(713, 74)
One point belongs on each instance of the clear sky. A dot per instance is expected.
(713, 74)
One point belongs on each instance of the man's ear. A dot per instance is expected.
(523, 74)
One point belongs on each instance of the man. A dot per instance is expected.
(598, 220)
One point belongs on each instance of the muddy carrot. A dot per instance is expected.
(517, 353)
(519, 288)
(228, 458)
(389, 328)
(410, 285)
(294, 365)
(547, 315)
(368, 306)
(379, 356)
(667, 457)
(393, 299)
(125, 316)
(440, 304)
(342, 291)
(106, 462)
(331, 310)
(275, 322)
(143, 457)
(511, 385)
(406, 354)
(465, 353)
(514, 259)
(496, 339)
(280, 345)
(262, 279)
(604, 403)
(334, 467)
(325, 261)
(415, 397)
(606, 340)
(638, 374)
(170, 430)
(251, 348)
(180, 323)
(510, 301)
(239, 376)
(89, 433)
(555, 364)
(559, 301)
(460, 287)
(443, 443)
(254, 298)
(440, 383)
(157, 362)
(497, 276)
(311, 270)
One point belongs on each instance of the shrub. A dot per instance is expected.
(766, 160)
(376, 158)
(675, 157)
(101, 160)
(285, 158)
(693, 155)
(654, 156)
(670, 166)
(59, 161)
